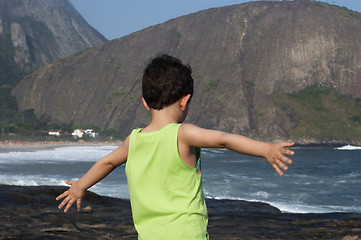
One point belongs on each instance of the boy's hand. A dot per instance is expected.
(73, 194)
(276, 156)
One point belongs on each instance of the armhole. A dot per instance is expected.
(198, 153)
(132, 140)
(178, 154)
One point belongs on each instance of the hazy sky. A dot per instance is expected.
(117, 18)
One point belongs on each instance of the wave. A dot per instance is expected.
(65, 154)
(24, 180)
(302, 208)
(104, 188)
(349, 147)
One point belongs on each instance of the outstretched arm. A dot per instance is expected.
(96, 173)
(274, 153)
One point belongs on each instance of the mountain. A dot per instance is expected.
(268, 70)
(34, 33)
(38, 32)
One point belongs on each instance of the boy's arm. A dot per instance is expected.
(96, 173)
(274, 153)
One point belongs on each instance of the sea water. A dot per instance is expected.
(320, 180)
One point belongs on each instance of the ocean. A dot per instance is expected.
(320, 180)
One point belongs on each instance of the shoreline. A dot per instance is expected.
(11, 146)
(50, 144)
(32, 213)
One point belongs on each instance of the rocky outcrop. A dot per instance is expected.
(32, 213)
(254, 64)
(22, 53)
(1, 26)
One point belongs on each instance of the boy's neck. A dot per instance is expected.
(163, 117)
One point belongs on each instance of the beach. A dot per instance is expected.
(32, 213)
(11, 146)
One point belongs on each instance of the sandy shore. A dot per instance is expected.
(32, 213)
(11, 146)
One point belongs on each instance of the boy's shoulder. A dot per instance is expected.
(194, 136)
(187, 128)
(188, 132)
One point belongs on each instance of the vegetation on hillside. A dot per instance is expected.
(321, 112)
(39, 131)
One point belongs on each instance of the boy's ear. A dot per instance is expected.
(145, 104)
(184, 101)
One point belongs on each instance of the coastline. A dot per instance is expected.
(32, 213)
(19, 146)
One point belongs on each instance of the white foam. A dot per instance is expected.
(261, 194)
(349, 147)
(297, 206)
(301, 208)
(74, 153)
(119, 190)
(31, 180)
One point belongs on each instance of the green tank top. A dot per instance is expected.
(166, 195)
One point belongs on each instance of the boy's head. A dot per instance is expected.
(165, 81)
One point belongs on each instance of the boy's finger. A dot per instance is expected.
(65, 202)
(69, 182)
(64, 194)
(287, 144)
(62, 204)
(281, 165)
(277, 169)
(288, 152)
(78, 204)
(286, 160)
(68, 205)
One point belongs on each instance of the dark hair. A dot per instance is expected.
(165, 81)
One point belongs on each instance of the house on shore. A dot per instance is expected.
(55, 132)
(90, 133)
(79, 133)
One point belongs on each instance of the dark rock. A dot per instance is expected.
(32, 213)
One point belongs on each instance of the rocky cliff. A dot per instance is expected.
(34, 33)
(269, 70)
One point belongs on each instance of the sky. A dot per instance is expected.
(118, 18)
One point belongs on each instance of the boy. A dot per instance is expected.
(162, 159)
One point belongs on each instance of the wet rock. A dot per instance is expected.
(32, 213)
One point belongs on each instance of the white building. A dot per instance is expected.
(55, 132)
(78, 133)
(90, 133)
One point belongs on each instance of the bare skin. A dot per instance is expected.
(189, 137)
